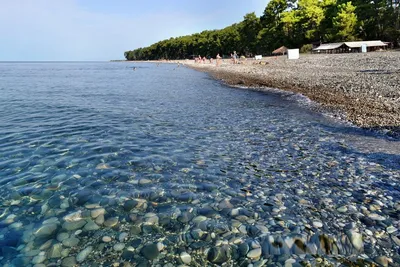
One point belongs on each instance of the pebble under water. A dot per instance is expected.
(101, 165)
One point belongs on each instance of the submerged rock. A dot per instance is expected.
(150, 252)
(84, 254)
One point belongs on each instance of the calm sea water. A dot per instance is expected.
(101, 164)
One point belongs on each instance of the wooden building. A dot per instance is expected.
(280, 51)
(350, 47)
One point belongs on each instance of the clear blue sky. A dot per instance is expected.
(104, 29)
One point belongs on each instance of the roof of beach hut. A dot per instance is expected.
(280, 50)
(355, 44)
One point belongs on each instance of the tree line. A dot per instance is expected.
(293, 23)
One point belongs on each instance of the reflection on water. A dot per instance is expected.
(165, 166)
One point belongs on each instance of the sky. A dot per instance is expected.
(72, 30)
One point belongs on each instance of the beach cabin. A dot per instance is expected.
(350, 47)
(280, 51)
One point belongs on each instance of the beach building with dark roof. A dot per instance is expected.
(350, 47)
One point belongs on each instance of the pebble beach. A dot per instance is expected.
(363, 88)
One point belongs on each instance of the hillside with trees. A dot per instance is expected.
(290, 23)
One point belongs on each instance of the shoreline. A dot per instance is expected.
(363, 89)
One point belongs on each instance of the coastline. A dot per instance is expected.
(363, 89)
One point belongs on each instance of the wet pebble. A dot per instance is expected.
(84, 254)
(317, 224)
(342, 209)
(144, 181)
(39, 258)
(122, 236)
(74, 225)
(111, 222)
(68, 262)
(106, 239)
(46, 230)
(119, 246)
(218, 255)
(254, 253)
(356, 239)
(376, 217)
(391, 229)
(97, 212)
(130, 205)
(383, 261)
(91, 226)
(71, 241)
(150, 251)
(55, 251)
(185, 257)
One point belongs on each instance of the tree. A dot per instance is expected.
(345, 22)
(271, 35)
(292, 23)
(249, 28)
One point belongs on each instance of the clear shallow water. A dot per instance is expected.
(165, 161)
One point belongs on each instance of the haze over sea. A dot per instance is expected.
(100, 164)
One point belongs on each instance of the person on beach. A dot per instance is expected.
(218, 60)
(234, 57)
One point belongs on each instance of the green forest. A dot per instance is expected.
(294, 24)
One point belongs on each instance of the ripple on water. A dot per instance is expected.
(191, 172)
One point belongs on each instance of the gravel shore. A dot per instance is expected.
(363, 88)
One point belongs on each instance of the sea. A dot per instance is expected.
(143, 164)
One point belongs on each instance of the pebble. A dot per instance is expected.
(299, 191)
(46, 245)
(91, 226)
(55, 251)
(97, 212)
(317, 224)
(185, 257)
(150, 252)
(111, 222)
(46, 230)
(84, 254)
(376, 217)
(342, 209)
(254, 253)
(74, 225)
(71, 241)
(160, 246)
(122, 236)
(78, 232)
(369, 232)
(144, 181)
(68, 262)
(289, 262)
(106, 239)
(100, 219)
(383, 261)
(391, 229)
(356, 239)
(119, 246)
(62, 236)
(38, 259)
(199, 219)
(73, 217)
(218, 255)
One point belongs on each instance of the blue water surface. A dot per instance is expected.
(177, 162)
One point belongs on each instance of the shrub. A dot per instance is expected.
(306, 48)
